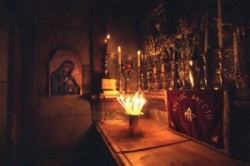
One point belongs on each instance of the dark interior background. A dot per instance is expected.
(38, 128)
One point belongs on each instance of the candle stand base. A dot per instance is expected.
(134, 128)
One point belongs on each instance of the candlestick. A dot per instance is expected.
(120, 80)
(154, 70)
(162, 67)
(220, 25)
(106, 57)
(138, 58)
(119, 56)
(235, 41)
(139, 78)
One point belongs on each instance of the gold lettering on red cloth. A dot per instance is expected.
(215, 138)
(189, 115)
(178, 100)
(197, 113)
(203, 105)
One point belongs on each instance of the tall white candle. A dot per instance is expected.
(119, 56)
(235, 41)
(162, 67)
(220, 25)
(138, 58)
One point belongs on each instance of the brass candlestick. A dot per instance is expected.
(106, 66)
(203, 81)
(162, 75)
(139, 78)
(181, 74)
(106, 57)
(142, 82)
(120, 80)
(155, 85)
(218, 73)
(148, 81)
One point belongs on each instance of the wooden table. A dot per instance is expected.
(154, 144)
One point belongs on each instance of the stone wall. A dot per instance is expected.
(4, 37)
(63, 120)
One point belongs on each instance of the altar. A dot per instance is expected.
(156, 145)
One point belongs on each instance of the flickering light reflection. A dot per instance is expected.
(132, 105)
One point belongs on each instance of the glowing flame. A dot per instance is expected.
(133, 106)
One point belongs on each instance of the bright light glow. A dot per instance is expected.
(191, 75)
(108, 36)
(133, 106)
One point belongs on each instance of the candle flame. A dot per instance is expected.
(138, 52)
(133, 106)
(108, 36)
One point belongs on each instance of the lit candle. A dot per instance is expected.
(235, 41)
(220, 25)
(108, 37)
(119, 56)
(138, 58)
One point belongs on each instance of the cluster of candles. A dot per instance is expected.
(120, 53)
(120, 57)
(139, 57)
(132, 105)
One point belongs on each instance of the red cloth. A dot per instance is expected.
(197, 113)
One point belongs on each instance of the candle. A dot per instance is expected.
(138, 58)
(154, 70)
(220, 25)
(162, 67)
(119, 56)
(235, 41)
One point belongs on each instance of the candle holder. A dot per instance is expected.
(239, 78)
(148, 81)
(155, 81)
(106, 74)
(133, 122)
(133, 106)
(120, 80)
(142, 82)
(106, 66)
(218, 72)
(181, 74)
(172, 75)
(203, 81)
(139, 78)
(163, 83)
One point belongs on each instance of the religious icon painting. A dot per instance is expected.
(65, 73)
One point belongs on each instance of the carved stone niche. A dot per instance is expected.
(65, 73)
